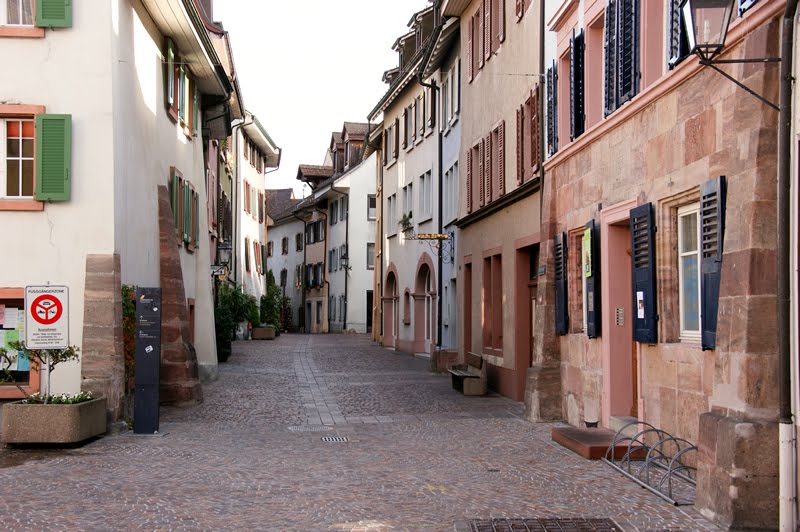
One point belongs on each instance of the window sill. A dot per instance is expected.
(391, 163)
(391, 235)
(21, 205)
(427, 218)
(420, 139)
(27, 32)
(453, 120)
(172, 113)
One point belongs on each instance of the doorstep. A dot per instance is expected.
(591, 444)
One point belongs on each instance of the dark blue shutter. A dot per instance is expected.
(643, 264)
(677, 39)
(592, 296)
(744, 5)
(712, 235)
(552, 109)
(560, 255)
(610, 59)
(628, 70)
(576, 89)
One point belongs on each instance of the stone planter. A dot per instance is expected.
(37, 423)
(264, 333)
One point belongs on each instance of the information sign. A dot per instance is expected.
(46, 317)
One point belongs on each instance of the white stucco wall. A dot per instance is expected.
(290, 261)
(247, 225)
(68, 71)
(337, 237)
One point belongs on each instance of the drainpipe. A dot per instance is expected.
(347, 250)
(542, 120)
(435, 91)
(303, 279)
(787, 453)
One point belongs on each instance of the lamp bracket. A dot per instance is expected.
(440, 243)
(714, 62)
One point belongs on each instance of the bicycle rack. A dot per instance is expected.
(658, 466)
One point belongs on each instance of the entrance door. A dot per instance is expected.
(307, 318)
(620, 394)
(369, 311)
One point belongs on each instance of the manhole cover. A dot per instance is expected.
(310, 428)
(579, 524)
(334, 439)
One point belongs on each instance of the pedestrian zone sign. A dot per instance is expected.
(46, 317)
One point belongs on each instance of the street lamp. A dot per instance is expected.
(224, 249)
(707, 24)
(344, 261)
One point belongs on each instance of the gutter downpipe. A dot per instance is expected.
(541, 111)
(786, 429)
(347, 250)
(303, 282)
(435, 91)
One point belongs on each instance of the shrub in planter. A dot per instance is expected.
(233, 307)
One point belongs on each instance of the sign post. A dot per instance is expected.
(147, 360)
(46, 317)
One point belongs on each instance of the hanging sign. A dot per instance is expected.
(46, 317)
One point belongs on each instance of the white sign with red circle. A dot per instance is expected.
(46, 317)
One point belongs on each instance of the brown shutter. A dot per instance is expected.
(481, 171)
(520, 134)
(487, 29)
(405, 127)
(489, 172)
(501, 158)
(470, 73)
(385, 145)
(469, 181)
(480, 34)
(396, 137)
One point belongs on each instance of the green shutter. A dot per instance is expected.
(54, 13)
(53, 157)
(187, 212)
(196, 220)
(175, 190)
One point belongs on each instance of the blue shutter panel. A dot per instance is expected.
(560, 256)
(610, 59)
(643, 264)
(552, 110)
(576, 90)
(592, 296)
(712, 236)
(53, 157)
(744, 5)
(53, 13)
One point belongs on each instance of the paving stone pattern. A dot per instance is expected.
(417, 456)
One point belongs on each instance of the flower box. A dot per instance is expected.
(264, 333)
(53, 423)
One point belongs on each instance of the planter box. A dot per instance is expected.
(264, 333)
(36, 423)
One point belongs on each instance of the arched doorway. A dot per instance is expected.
(425, 310)
(390, 310)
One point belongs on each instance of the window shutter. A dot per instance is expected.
(643, 264)
(247, 254)
(560, 259)
(487, 29)
(488, 172)
(405, 127)
(501, 159)
(187, 212)
(396, 137)
(501, 22)
(576, 115)
(712, 236)
(470, 73)
(196, 220)
(385, 146)
(520, 135)
(552, 110)
(592, 296)
(520, 9)
(53, 157)
(480, 34)
(610, 58)
(481, 171)
(535, 133)
(627, 50)
(469, 181)
(744, 5)
(175, 190)
(54, 13)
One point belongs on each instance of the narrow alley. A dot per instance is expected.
(409, 453)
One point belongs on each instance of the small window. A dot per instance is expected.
(285, 245)
(689, 272)
(298, 242)
(16, 12)
(284, 276)
(17, 156)
(269, 248)
(371, 206)
(370, 256)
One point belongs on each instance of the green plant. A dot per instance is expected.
(129, 334)
(286, 313)
(271, 302)
(49, 358)
(405, 221)
(233, 307)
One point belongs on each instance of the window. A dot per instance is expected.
(16, 12)
(179, 90)
(408, 199)
(319, 312)
(343, 208)
(258, 255)
(370, 256)
(285, 245)
(16, 153)
(371, 206)
(450, 194)
(12, 329)
(425, 195)
(408, 127)
(284, 276)
(391, 215)
(298, 242)
(334, 212)
(528, 156)
(298, 276)
(247, 254)
(269, 248)
(486, 31)
(689, 271)
(419, 123)
(621, 54)
(486, 169)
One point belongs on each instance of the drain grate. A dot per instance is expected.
(579, 524)
(334, 439)
(310, 428)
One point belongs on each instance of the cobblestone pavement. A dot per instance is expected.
(418, 456)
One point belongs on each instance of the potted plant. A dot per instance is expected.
(48, 418)
(406, 225)
(270, 311)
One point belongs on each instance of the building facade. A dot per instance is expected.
(287, 240)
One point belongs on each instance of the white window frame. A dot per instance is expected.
(4, 158)
(370, 255)
(4, 15)
(689, 335)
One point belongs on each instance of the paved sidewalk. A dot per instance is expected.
(417, 456)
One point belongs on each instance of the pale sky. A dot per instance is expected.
(306, 67)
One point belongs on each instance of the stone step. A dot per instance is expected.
(591, 444)
(615, 423)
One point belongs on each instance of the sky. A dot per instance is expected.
(306, 67)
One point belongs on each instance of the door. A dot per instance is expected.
(307, 320)
(369, 311)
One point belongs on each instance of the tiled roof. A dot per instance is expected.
(356, 128)
(280, 201)
(311, 170)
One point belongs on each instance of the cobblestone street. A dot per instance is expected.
(417, 456)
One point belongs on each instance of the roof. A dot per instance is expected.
(280, 201)
(444, 41)
(256, 132)
(314, 171)
(356, 129)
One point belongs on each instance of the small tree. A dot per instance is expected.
(271, 303)
(49, 358)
